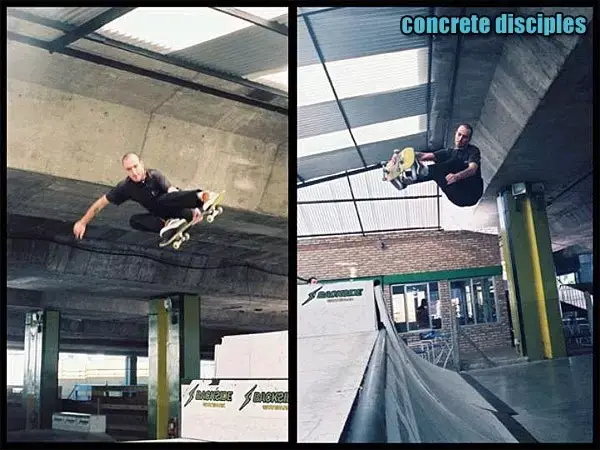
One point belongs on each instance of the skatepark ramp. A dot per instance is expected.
(359, 382)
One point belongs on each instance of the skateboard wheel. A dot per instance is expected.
(210, 219)
(220, 210)
(176, 245)
(186, 236)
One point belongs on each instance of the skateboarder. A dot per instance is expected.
(456, 170)
(168, 207)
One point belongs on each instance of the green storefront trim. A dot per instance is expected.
(428, 276)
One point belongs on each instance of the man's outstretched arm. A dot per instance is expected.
(80, 225)
(425, 156)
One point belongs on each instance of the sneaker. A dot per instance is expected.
(208, 198)
(171, 227)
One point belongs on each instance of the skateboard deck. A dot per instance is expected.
(214, 209)
(183, 235)
(399, 163)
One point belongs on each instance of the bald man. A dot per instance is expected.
(169, 209)
(457, 170)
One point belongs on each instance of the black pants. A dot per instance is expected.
(174, 205)
(465, 192)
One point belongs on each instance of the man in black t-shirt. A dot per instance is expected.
(456, 170)
(168, 207)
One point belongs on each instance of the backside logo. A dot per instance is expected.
(312, 295)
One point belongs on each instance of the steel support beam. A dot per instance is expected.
(312, 13)
(40, 386)
(147, 73)
(377, 199)
(158, 401)
(131, 370)
(270, 25)
(527, 251)
(174, 358)
(169, 59)
(338, 176)
(87, 28)
(313, 37)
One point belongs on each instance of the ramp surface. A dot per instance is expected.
(423, 402)
(336, 333)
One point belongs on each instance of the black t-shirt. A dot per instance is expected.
(460, 157)
(145, 192)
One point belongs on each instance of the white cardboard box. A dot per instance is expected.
(86, 423)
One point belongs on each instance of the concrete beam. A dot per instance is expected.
(85, 328)
(191, 155)
(77, 304)
(527, 68)
(126, 269)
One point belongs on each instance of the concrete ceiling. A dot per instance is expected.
(238, 264)
(530, 101)
(64, 109)
(528, 97)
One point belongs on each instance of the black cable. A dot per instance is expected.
(140, 255)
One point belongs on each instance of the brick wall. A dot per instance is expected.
(409, 252)
(413, 252)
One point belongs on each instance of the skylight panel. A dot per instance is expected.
(379, 73)
(313, 86)
(363, 76)
(175, 28)
(390, 129)
(367, 134)
(277, 79)
(324, 143)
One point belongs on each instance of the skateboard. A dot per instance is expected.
(215, 209)
(182, 235)
(403, 164)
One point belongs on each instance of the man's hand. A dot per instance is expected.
(452, 178)
(197, 216)
(79, 229)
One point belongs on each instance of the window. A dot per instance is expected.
(15, 367)
(143, 369)
(474, 301)
(75, 369)
(416, 306)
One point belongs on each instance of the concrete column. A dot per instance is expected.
(40, 387)
(131, 370)
(174, 358)
(590, 314)
(157, 370)
(527, 252)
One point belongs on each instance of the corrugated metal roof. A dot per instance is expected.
(248, 51)
(244, 52)
(32, 29)
(371, 33)
(398, 213)
(321, 165)
(71, 16)
(364, 110)
(327, 219)
(370, 185)
(353, 32)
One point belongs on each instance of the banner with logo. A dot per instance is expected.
(235, 410)
(336, 308)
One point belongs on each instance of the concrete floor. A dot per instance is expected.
(553, 399)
